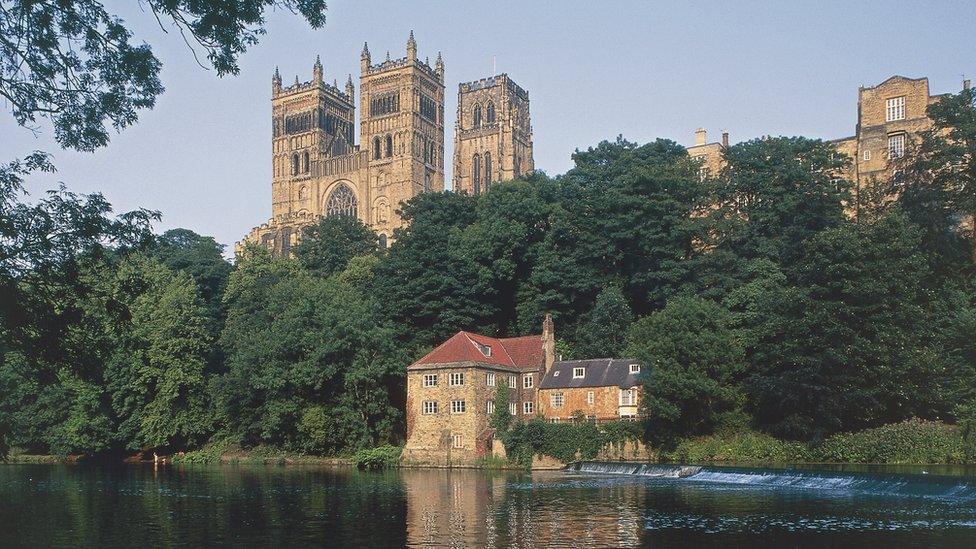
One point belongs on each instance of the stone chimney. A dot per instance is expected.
(701, 136)
(548, 343)
(725, 139)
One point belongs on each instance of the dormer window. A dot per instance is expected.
(579, 373)
(635, 368)
(485, 349)
(555, 374)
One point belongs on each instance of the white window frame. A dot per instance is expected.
(513, 381)
(631, 395)
(528, 408)
(896, 145)
(512, 408)
(866, 155)
(590, 398)
(456, 379)
(430, 407)
(485, 349)
(895, 109)
(458, 406)
(430, 380)
(528, 381)
(490, 407)
(490, 379)
(557, 400)
(635, 368)
(457, 441)
(579, 372)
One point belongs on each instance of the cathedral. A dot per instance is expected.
(318, 169)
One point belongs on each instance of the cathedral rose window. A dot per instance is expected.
(341, 201)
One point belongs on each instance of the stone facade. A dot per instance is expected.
(319, 170)
(594, 403)
(492, 134)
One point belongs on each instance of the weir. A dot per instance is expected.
(957, 489)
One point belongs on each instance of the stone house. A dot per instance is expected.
(603, 389)
(451, 392)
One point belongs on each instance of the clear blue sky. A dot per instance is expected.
(593, 70)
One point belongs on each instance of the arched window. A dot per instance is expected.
(341, 201)
(426, 181)
(305, 166)
(476, 174)
(382, 241)
(423, 145)
(490, 114)
(477, 116)
(294, 164)
(389, 146)
(376, 148)
(303, 193)
(487, 171)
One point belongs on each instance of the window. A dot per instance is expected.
(555, 374)
(294, 164)
(457, 378)
(305, 166)
(430, 380)
(487, 171)
(527, 381)
(895, 109)
(635, 368)
(430, 406)
(579, 373)
(556, 400)
(341, 202)
(512, 381)
(490, 113)
(303, 193)
(477, 116)
(457, 407)
(490, 379)
(376, 148)
(490, 408)
(485, 349)
(476, 173)
(511, 408)
(896, 146)
(866, 155)
(458, 441)
(389, 146)
(590, 398)
(528, 408)
(628, 397)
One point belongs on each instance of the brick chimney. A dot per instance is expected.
(725, 139)
(701, 136)
(548, 343)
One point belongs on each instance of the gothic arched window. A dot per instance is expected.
(376, 148)
(303, 193)
(490, 114)
(341, 201)
(476, 173)
(305, 166)
(294, 164)
(477, 116)
(487, 171)
(389, 145)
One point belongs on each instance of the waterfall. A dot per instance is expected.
(930, 486)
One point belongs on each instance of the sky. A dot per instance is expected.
(593, 70)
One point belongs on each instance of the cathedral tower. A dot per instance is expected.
(492, 134)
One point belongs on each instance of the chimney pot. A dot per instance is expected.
(725, 139)
(701, 136)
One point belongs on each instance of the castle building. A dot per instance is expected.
(319, 170)
(492, 134)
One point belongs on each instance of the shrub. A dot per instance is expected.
(744, 446)
(911, 441)
(564, 441)
(210, 453)
(378, 458)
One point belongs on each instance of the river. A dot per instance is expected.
(599, 506)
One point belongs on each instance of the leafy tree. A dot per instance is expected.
(604, 333)
(201, 257)
(696, 364)
(327, 246)
(74, 62)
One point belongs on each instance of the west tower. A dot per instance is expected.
(492, 134)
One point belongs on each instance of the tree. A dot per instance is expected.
(696, 364)
(604, 333)
(201, 257)
(73, 62)
(327, 246)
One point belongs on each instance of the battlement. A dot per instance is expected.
(391, 64)
(492, 81)
(299, 87)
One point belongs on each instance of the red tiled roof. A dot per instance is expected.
(518, 352)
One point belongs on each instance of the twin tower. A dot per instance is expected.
(320, 170)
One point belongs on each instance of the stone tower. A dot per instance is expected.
(492, 134)
(402, 131)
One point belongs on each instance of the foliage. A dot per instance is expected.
(564, 441)
(326, 247)
(76, 63)
(911, 441)
(501, 418)
(381, 457)
(604, 333)
(744, 446)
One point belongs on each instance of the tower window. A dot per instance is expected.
(303, 193)
(490, 113)
(477, 116)
(376, 148)
(305, 166)
(389, 146)
(341, 201)
(476, 173)
(896, 146)
(895, 109)
(487, 171)
(294, 164)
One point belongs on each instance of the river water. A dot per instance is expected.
(598, 506)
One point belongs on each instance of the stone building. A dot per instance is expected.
(451, 392)
(603, 389)
(319, 169)
(708, 154)
(492, 134)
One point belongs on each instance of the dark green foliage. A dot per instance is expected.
(501, 418)
(912, 441)
(605, 330)
(564, 441)
(327, 246)
(201, 258)
(382, 457)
